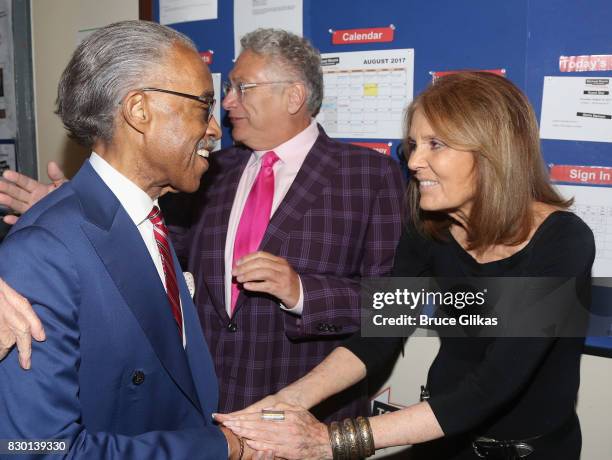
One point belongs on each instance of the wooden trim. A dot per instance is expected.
(145, 10)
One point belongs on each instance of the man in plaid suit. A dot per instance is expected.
(335, 217)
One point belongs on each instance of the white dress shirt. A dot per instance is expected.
(291, 155)
(138, 205)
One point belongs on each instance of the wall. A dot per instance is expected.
(54, 35)
(595, 407)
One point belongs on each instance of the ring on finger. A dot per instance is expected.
(273, 415)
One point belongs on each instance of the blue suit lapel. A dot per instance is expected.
(121, 249)
(200, 362)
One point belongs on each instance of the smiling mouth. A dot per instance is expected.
(204, 147)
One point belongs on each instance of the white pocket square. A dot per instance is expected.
(190, 283)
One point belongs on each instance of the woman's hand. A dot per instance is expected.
(298, 436)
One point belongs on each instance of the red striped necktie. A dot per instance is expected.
(160, 231)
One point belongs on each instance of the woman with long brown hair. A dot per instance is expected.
(481, 206)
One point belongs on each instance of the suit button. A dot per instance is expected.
(232, 327)
(138, 378)
(323, 327)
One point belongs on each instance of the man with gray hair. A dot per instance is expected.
(125, 371)
(286, 227)
(283, 230)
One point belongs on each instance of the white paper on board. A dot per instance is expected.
(577, 109)
(253, 14)
(7, 157)
(366, 93)
(174, 11)
(594, 206)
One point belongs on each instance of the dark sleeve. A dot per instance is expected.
(411, 259)
(510, 364)
(375, 352)
(413, 254)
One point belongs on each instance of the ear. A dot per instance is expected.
(296, 98)
(136, 111)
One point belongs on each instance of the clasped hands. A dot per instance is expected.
(299, 436)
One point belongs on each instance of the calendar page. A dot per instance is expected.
(366, 93)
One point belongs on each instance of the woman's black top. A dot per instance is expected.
(504, 388)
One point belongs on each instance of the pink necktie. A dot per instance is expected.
(255, 215)
(161, 238)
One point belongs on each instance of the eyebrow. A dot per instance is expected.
(428, 137)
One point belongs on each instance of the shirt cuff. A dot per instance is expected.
(299, 306)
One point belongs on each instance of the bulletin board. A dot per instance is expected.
(567, 28)
(524, 39)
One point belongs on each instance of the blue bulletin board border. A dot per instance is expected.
(598, 346)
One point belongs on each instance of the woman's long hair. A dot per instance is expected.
(487, 115)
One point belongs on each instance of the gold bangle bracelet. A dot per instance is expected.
(360, 445)
(350, 439)
(336, 440)
(366, 436)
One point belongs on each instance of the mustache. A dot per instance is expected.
(207, 143)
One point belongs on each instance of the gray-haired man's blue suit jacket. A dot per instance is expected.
(112, 377)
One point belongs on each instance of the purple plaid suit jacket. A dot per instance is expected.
(340, 221)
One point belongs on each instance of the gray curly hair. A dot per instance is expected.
(295, 54)
(104, 68)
